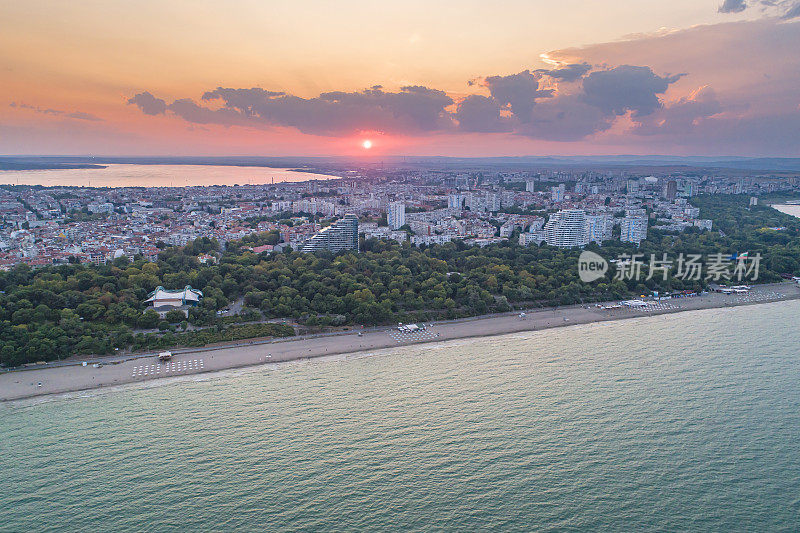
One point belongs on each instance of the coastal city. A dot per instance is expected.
(295, 265)
(563, 208)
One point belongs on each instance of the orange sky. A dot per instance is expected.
(60, 59)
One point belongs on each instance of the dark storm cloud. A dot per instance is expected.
(480, 114)
(148, 104)
(732, 6)
(78, 115)
(626, 88)
(518, 91)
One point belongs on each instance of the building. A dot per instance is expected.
(455, 201)
(566, 229)
(164, 301)
(396, 215)
(599, 228)
(633, 229)
(104, 207)
(670, 190)
(493, 201)
(557, 193)
(341, 235)
(526, 239)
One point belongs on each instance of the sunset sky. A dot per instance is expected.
(467, 78)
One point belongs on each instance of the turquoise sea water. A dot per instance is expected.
(687, 422)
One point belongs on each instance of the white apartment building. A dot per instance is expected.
(342, 235)
(633, 229)
(455, 201)
(557, 193)
(493, 201)
(396, 215)
(567, 229)
(599, 227)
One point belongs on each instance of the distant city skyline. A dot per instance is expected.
(714, 77)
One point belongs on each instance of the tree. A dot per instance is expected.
(148, 320)
(174, 316)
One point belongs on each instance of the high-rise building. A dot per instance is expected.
(455, 201)
(493, 201)
(396, 215)
(599, 228)
(566, 229)
(633, 229)
(341, 235)
(530, 185)
(670, 190)
(557, 193)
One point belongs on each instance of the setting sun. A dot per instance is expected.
(367, 144)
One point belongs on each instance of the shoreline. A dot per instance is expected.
(70, 378)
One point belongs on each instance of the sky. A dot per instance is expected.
(466, 78)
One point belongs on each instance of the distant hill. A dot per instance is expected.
(762, 164)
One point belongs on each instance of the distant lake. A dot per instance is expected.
(793, 210)
(156, 176)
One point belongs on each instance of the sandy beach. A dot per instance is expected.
(50, 379)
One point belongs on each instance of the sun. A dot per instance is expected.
(367, 144)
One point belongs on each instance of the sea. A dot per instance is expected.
(681, 422)
(123, 175)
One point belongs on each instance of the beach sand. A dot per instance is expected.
(51, 379)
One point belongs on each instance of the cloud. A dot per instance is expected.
(595, 104)
(148, 104)
(566, 118)
(683, 116)
(732, 6)
(792, 12)
(409, 110)
(626, 88)
(477, 113)
(518, 91)
(78, 115)
(570, 72)
(516, 104)
(617, 92)
(743, 92)
(785, 9)
(189, 111)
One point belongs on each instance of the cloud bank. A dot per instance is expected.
(587, 103)
(686, 88)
